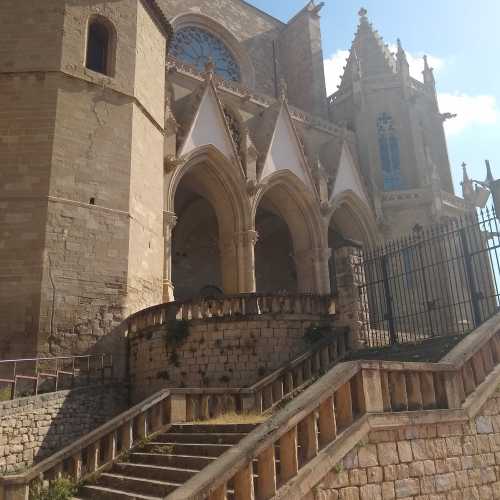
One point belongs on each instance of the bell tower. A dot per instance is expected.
(81, 194)
(400, 131)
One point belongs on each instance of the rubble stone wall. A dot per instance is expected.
(33, 428)
(216, 352)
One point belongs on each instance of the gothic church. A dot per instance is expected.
(159, 150)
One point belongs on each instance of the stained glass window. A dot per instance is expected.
(389, 152)
(196, 46)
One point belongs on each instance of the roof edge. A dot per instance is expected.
(159, 17)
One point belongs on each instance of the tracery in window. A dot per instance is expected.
(196, 46)
(390, 156)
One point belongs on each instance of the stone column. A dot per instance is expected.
(245, 248)
(229, 264)
(169, 222)
(312, 270)
(238, 262)
(352, 305)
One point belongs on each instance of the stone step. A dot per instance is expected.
(172, 474)
(149, 487)
(191, 449)
(91, 492)
(213, 428)
(200, 437)
(168, 460)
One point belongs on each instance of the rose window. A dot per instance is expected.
(197, 47)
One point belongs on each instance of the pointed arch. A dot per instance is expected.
(207, 175)
(354, 218)
(285, 195)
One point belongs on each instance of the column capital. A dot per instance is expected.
(249, 237)
(169, 220)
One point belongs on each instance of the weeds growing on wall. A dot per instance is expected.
(60, 489)
(316, 333)
(177, 331)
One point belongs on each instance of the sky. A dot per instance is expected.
(461, 39)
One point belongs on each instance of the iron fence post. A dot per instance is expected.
(388, 300)
(469, 271)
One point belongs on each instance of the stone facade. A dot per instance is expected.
(217, 352)
(34, 428)
(119, 187)
(428, 462)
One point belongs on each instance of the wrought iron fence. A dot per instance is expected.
(439, 281)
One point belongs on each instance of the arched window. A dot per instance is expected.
(389, 152)
(100, 46)
(196, 46)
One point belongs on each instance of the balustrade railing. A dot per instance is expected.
(337, 405)
(232, 306)
(32, 376)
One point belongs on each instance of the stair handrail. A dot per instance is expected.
(350, 389)
(147, 417)
(38, 372)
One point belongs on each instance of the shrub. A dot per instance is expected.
(316, 333)
(60, 489)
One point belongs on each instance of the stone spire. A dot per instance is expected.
(467, 187)
(369, 54)
(403, 67)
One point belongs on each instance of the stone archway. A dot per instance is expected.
(298, 257)
(207, 249)
(350, 224)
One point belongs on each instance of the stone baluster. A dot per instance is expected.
(327, 423)
(428, 390)
(289, 464)
(243, 483)
(468, 378)
(343, 406)
(266, 469)
(219, 494)
(307, 437)
(397, 387)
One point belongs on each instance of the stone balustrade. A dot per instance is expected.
(232, 306)
(332, 415)
(335, 412)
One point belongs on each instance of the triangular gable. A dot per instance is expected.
(285, 152)
(348, 177)
(209, 127)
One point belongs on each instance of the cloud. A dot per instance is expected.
(472, 110)
(334, 69)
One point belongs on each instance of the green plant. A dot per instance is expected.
(60, 489)
(162, 449)
(316, 333)
(177, 332)
(339, 468)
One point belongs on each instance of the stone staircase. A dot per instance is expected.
(155, 469)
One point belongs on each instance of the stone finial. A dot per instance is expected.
(209, 69)
(362, 13)
(428, 73)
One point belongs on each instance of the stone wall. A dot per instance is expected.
(34, 428)
(216, 352)
(428, 462)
